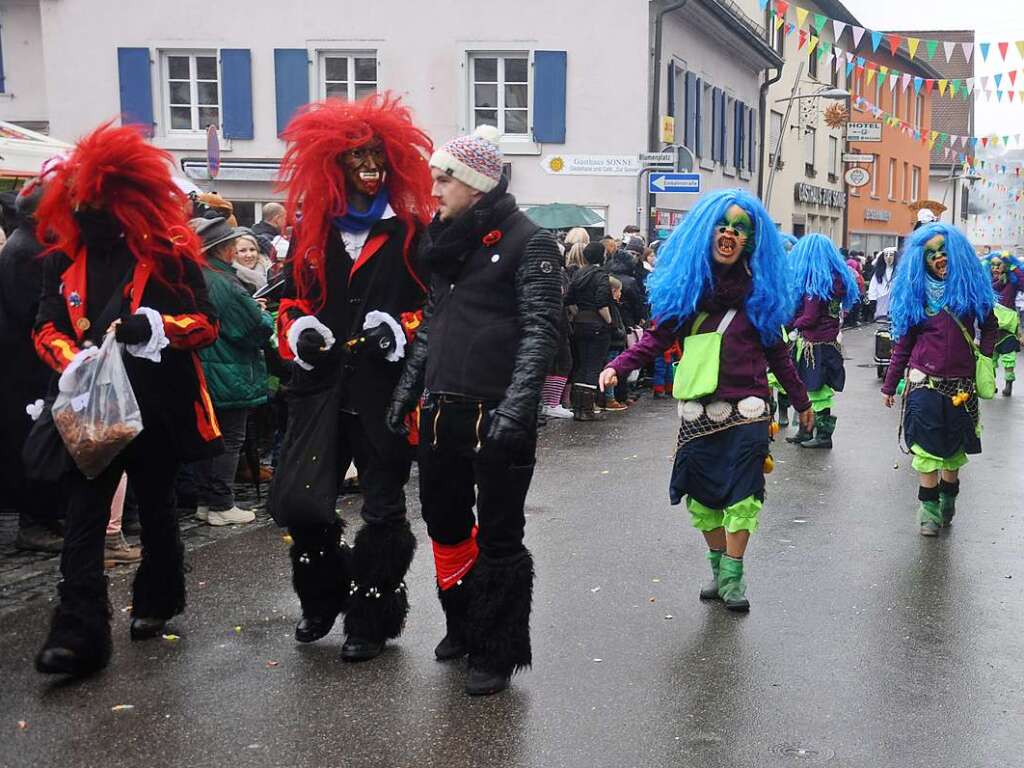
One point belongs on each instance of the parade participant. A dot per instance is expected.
(723, 268)
(1006, 274)
(122, 257)
(352, 298)
(940, 294)
(488, 336)
(880, 286)
(825, 286)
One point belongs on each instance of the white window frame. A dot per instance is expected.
(833, 156)
(501, 56)
(915, 184)
(919, 111)
(810, 150)
(707, 120)
(322, 54)
(164, 56)
(879, 77)
(906, 182)
(875, 170)
(773, 142)
(729, 150)
(892, 178)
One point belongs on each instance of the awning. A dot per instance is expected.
(23, 152)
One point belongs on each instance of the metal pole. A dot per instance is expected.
(782, 133)
(846, 186)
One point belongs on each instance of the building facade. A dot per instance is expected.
(574, 113)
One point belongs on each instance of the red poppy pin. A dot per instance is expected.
(492, 237)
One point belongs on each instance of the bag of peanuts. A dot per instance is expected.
(95, 411)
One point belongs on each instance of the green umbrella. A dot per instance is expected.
(563, 216)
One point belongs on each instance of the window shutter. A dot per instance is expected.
(690, 129)
(723, 154)
(741, 135)
(236, 92)
(670, 83)
(135, 87)
(291, 83)
(716, 124)
(737, 134)
(698, 92)
(549, 73)
(752, 135)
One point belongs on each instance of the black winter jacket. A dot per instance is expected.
(491, 325)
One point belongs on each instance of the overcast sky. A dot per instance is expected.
(992, 20)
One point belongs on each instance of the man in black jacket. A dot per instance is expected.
(488, 335)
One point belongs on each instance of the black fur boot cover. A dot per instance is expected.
(378, 598)
(158, 591)
(498, 623)
(321, 570)
(455, 602)
(81, 622)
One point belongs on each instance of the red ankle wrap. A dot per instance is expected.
(453, 561)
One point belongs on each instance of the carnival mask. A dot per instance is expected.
(734, 233)
(365, 167)
(997, 267)
(935, 257)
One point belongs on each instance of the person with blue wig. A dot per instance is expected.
(782, 409)
(721, 289)
(940, 296)
(1006, 282)
(827, 287)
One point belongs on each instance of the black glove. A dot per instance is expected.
(310, 347)
(507, 438)
(134, 329)
(395, 418)
(379, 341)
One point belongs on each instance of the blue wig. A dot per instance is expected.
(684, 270)
(816, 263)
(968, 286)
(788, 241)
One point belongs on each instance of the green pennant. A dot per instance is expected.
(819, 22)
(826, 45)
(821, 51)
(1006, 140)
(932, 47)
(954, 86)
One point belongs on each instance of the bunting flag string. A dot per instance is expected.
(893, 40)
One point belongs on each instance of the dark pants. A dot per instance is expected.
(382, 474)
(215, 477)
(455, 475)
(159, 588)
(590, 352)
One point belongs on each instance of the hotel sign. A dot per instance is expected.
(863, 131)
(830, 198)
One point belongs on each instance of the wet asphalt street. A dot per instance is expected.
(866, 646)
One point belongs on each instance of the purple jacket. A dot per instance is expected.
(938, 347)
(1006, 293)
(742, 370)
(813, 319)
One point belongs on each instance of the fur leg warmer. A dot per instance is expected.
(158, 591)
(321, 570)
(378, 598)
(81, 622)
(455, 603)
(498, 623)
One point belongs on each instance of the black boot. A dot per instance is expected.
(802, 436)
(1008, 388)
(158, 593)
(583, 403)
(783, 410)
(378, 601)
(824, 426)
(947, 501)
(455, 602)
(79, 642)
(498, 622)
(320, 577)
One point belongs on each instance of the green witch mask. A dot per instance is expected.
(734, 235)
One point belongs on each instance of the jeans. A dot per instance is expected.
(590, 352)
(455, 475)
(215, 477)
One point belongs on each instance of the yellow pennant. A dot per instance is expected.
(912, 43)
(801, 16)
(812, 44)
(942, 87)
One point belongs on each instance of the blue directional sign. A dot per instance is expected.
(659, 183)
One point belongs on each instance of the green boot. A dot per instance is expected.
(824, 426)
(731, 587)
(710, 592)
(929, 514)
(947, 500)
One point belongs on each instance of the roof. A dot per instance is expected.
(749, 31)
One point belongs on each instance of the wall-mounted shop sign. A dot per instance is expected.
(874, 214)
(830, 198)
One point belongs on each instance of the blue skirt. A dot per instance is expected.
(941, 428)
(828, 369)
(1007, 345)
(722, 468)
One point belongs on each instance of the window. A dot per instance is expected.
(874, 176)
(906, 182)
(500, 92)
(835, 65)
(729, 150)
(774, 132)
(919, 111)
(896, 105)
(778, 39)
(892, 179)
(878, 89)
(810, 136)
(707, 122)
(349, 76)
(915, 185)
(191, 90)
(833, 158)
(812, 63)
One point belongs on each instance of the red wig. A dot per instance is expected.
(113, 169)
(315, 181)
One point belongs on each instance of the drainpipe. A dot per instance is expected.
(763, 121)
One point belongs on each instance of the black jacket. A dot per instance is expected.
(491, 324)
(632, 306)
(589, 289)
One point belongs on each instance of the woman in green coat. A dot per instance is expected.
(236, 371)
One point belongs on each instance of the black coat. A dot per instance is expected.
(492, 322)
(632, 308)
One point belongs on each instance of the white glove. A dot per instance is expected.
(67, 379)
(157, 338)
(376, 317)
(303, 323)
(35, 410)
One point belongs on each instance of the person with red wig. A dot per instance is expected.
(121, 259)
(352, 300)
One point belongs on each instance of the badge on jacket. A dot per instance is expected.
(75, 300)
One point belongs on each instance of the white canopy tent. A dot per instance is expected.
(23, 152)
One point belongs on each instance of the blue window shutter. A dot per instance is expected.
(752, 135)
(291, 83)
(716, 122)
(723, 152)
(689, 128)
(549, 73)
(135, 87)
(236, 92)
(741, 134)
(670, 83)
(698, 100)
(737, 134)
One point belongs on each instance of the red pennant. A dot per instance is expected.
(1013, 77)
(984, 142)
(803, 39)
(894, 43)
(781, 7)
(1002, 49)
(928, 85)
(1011, 95)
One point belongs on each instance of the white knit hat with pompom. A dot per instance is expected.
(475, 160)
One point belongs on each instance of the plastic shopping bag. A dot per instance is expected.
(95, 411)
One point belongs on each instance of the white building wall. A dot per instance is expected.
(24, 96)
(421, 48)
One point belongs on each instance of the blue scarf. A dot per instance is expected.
(360, 221)
(935, 293)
